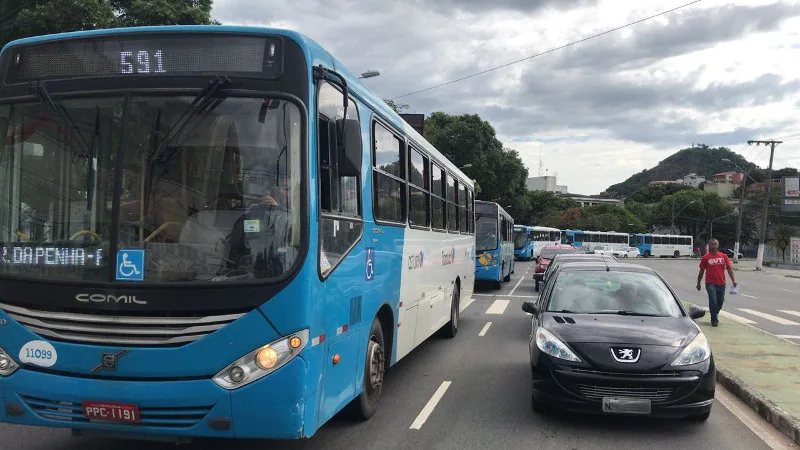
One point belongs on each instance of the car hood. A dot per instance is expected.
(658, 339)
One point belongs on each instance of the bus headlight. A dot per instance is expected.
(261, 361)
(7, 364)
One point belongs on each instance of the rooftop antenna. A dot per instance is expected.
(540, 159)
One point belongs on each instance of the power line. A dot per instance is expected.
(546, 51)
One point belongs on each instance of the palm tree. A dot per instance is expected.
(783, 238)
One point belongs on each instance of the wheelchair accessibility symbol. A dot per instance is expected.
(130, 265)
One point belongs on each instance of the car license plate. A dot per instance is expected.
(111, 412)
(623, 405)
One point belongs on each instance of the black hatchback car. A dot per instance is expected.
(615, 339)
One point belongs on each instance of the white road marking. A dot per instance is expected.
(788, 336)
(502, 295)
(498, 307)
(428, 409)
(734, 317)
(748, 296)
(768, 433)
(776, 319)
(485, 329)
(787, 290)
(517, 285)
(468, 302)
(793, 313)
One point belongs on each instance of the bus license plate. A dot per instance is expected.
(111, 412)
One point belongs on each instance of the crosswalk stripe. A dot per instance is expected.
(734, 317)
(793, 313)
(776, 319)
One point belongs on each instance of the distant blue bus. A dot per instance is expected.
(523, 244)
(494, 248)
(663, 244)
(530, 240)
(214, 231)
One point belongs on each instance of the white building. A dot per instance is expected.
(545, 183)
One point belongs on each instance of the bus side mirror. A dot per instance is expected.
(350, 153)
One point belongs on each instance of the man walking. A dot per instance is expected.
(714, 264)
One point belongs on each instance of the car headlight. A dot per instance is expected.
(696, 352)
(551, 345)
(7, 364)
(261, 361)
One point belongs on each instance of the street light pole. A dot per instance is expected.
(672, 228)
(762, 241)
(736, 245)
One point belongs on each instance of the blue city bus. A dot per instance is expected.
(523, 242)
(494, 247)
(662, 245)
(213, 231)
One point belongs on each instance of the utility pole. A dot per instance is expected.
(763, 232)
(739, 221)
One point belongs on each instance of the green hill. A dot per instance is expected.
(705, 161)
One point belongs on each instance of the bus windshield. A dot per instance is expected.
(485, 233)
(186, 194)
(520, 239)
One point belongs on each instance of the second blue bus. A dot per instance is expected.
(494, 248)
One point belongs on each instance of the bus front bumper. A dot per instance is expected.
(488, 272)
(272, 407)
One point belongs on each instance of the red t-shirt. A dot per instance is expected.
(715, 265)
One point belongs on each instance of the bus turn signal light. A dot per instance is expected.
(295, 342)
(336, 359)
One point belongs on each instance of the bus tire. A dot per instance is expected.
(677, 254)
(364, 406)
(450, 329)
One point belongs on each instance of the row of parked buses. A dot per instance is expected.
(499, 242)
(529, 241)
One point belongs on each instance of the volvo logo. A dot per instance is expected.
(102, 298)
(626, 354)
(108, 361)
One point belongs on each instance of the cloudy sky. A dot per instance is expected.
(718, 72)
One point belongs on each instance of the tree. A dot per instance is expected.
(397, 107)
(23, 18)
(468, 139)
(783, 238)
(654, 194)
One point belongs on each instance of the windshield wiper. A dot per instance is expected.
(202, 104)
(60, 116)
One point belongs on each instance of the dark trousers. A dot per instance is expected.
(716, 297)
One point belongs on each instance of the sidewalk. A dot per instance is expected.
(759, 368)
(750, 265)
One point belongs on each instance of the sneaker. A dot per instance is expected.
(714, 324)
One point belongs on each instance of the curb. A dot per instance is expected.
(772, 413)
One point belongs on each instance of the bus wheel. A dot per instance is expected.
(366, 404)
(677, 254)
(647, 253)
(450, 329)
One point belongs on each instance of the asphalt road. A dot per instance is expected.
(768, 301)
(486, 403)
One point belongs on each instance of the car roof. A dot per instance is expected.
(586, 256)
(611, 266)
(558, 246)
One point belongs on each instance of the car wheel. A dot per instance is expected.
(700, 417)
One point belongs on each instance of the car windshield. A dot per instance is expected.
(520, 239)
(210, 196)
(549, 253)
(602, 292)
(486, 233)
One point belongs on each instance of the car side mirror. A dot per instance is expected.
(529, 307)
(350, 154)
(696, 312)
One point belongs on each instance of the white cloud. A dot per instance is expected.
(718, 72)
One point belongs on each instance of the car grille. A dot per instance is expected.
(117, 330)
(168, 417)
(654, 394)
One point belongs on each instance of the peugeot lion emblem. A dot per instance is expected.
(626, 354)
